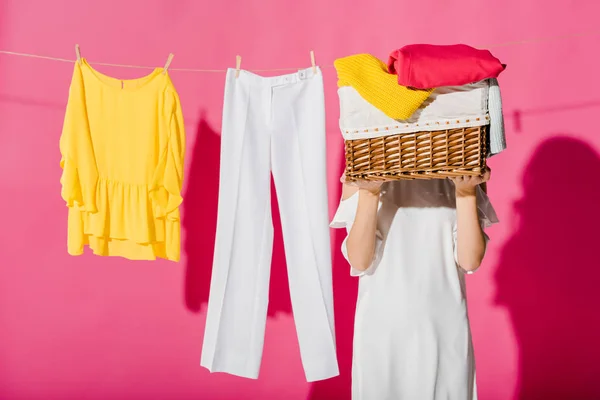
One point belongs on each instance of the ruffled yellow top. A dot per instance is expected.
(123, 147)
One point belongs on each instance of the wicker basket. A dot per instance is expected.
(419, 155)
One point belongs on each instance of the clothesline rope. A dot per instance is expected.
(511, 43)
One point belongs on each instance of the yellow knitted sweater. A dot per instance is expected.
(371, 79)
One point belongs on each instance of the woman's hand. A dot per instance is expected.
(373, 187)
(466, 185)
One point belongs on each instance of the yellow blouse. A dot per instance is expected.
(122, 147)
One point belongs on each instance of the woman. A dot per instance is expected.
(411, 242)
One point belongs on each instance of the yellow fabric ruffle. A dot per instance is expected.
(123, 148)
(371, 79)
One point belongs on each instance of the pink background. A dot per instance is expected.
(107, 328)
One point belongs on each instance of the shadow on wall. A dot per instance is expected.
(516, 116)
(548, 274)
(23, 101)
(200, 222)
(345, 290)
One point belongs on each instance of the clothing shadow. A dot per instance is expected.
(200, 223)
(548, 274)
(199, 214)
(30, 102)
(518, 115)
(345, 292)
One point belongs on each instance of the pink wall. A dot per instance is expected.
(102, 328)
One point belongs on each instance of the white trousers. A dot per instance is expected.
(277, 125)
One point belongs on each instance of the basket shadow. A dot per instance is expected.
(548, 272)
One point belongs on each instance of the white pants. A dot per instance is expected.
(271, 124)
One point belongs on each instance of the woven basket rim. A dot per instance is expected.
(423, 154)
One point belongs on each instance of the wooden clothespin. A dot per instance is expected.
(169, 59)
(238, 65)
(78, 53)
(312, 61)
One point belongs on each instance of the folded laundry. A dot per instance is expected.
(370, 78)
(425, 66)
(448, 107)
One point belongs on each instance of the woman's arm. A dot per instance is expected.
(471, 241)
(360, 243)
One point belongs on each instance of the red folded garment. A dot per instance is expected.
(425, 66)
